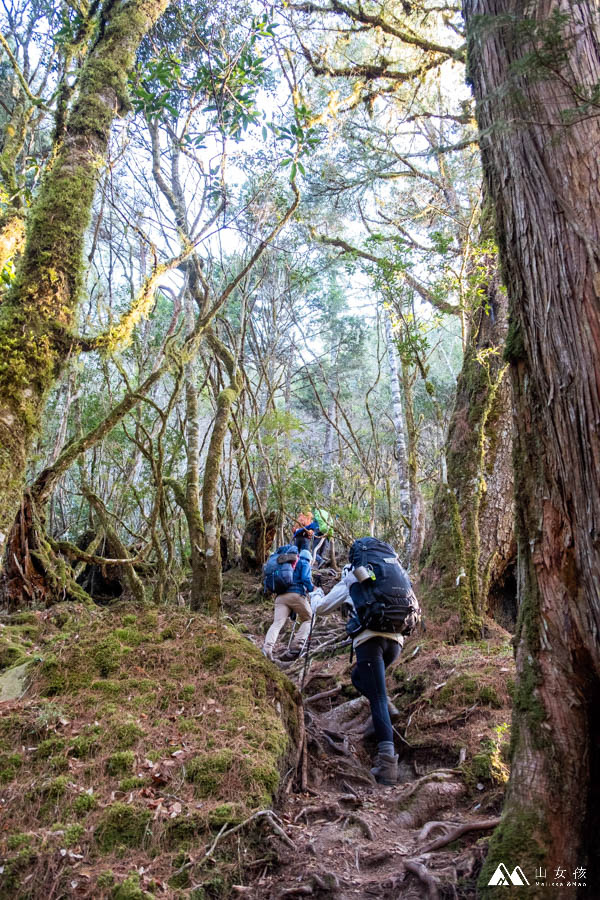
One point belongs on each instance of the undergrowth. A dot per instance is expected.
(140, 736)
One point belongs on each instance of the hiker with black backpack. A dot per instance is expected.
(382, 609)
(287, 574)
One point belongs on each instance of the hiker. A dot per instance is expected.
(318, 530)
(383, 609)
(290, 595)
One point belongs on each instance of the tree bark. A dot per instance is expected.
(471, 539)
(398, 417)
(539, 145)
(417, 506)
(38, 315)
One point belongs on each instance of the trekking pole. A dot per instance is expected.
(292, 634)
(317, 548)
(308, 640)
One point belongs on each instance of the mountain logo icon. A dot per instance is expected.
(503, 876)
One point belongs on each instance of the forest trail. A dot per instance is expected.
(350, 837)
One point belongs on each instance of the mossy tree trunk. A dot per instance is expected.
(471, 535)
(38, 316)
(257, 540)
(540, 153)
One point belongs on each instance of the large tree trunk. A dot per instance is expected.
(471, 542)
(543, 172)
(38, 315)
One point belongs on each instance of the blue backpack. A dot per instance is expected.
(278, 571)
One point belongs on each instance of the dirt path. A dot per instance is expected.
(349, 837)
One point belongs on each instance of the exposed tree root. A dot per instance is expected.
(418, 869)
(364, 826)
(432, 797)
(453, 832)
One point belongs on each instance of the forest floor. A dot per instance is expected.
(142, 759)
(424, 837)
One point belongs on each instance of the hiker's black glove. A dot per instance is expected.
(293, 616)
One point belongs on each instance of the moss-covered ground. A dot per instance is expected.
(142, 733)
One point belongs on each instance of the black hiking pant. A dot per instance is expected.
(368, 677)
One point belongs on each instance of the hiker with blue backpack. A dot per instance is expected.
(378, 595)
(287, 574)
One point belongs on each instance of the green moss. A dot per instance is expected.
(168, 633)
(10, 763)
(129, 619)
(187, 693)
(127, 734)
(18, 841)
(519, 836)
(514, 347)
(54, 676)
(133, 783)
(212, 656)
(183, 830)
(206, 771)
(11, 655)
(180, 879)
(58, 763)
(130, 636)
(226, 814)
(112, 688)
(107, 656)
(49, 747)
(488, 695)
(122, 824)
(105, 880)
(73, 834)
(120, 763)
(84, 746)
(54, 788)
(130, 889)
(458, 690)
(84, 804)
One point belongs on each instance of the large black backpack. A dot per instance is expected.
(384, 602)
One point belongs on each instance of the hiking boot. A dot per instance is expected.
(268, 653)
(385, 770)
(289, 655)
(394, 712)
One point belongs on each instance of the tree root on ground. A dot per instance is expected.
(367, 860)
(418, 869)
(454, 831)
(326, 882)
(431, 798)
(364, 826)
(329, 810)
